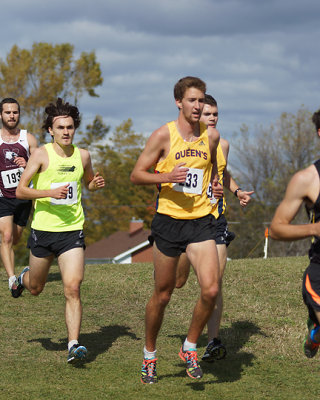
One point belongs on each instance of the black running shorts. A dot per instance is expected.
(43, 244)
(172, 236)
(20, 209)
(223, 236)
(311, 290)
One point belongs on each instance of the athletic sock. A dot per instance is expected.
(72, 343)
(12, 280)
(188, 346)
(149, 355)
(22, 275)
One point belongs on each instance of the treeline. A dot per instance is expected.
(38, 76)
(265, 158)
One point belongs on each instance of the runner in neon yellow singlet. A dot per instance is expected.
(62, 214)
(57, 170)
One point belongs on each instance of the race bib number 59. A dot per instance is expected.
(193, 183)
(72, 196)
(210, 194)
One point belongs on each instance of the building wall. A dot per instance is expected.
(143, 255)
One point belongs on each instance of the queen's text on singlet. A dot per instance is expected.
(186, 200)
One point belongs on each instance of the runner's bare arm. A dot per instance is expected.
(300, 188)
(243, 196)
(92, 181)
(214, 138)
(156, 147)
(37, 161)
(32, 142)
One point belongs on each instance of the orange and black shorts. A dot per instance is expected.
(311, 290)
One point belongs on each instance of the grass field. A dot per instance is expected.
(263, 327)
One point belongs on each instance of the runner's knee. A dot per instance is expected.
(36, 290)
(72, 290)
(180, 282)
(210, 293)
(7, 238)
(164, 297)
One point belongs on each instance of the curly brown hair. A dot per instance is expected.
(61, 109)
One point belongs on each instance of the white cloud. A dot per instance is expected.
(258, 58)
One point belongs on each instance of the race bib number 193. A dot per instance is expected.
(72, 196)
(193, 183)
(11, 177)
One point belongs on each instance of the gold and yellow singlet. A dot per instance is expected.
(219, 206)
(186, 200)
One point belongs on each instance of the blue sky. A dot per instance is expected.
(258, 58)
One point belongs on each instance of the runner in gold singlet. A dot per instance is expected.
(57, 170)
(182, 153)
(215, 349)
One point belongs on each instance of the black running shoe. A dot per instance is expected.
(214, 351)
(17, 288)
(310, 348)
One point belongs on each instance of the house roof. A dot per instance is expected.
(115, 244)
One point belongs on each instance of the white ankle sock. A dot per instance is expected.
(149, 355)
(189, 346)
(71, 343)
(12, 280)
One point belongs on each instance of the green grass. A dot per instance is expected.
(263, 327)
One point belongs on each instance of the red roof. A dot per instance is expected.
(116, 244)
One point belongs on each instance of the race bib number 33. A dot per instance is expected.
(72, 196)
(193, 183)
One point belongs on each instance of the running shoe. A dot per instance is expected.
(193, 367)
(214, 351)
(17, 288)
(77, 353)
(149, 371)
(310, 348)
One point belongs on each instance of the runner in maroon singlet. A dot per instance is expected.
(15, 148)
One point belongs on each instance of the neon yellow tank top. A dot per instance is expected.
(188, 200)
(220, 206)
(59, 215)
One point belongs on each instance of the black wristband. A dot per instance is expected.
(236, 191)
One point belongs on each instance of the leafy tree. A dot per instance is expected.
(266, 160)
(112, 208)
(38, 76)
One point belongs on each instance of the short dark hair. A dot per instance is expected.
(316, 119)
(9, 100)
(208, 99)
(61, 109)
(185, 83)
